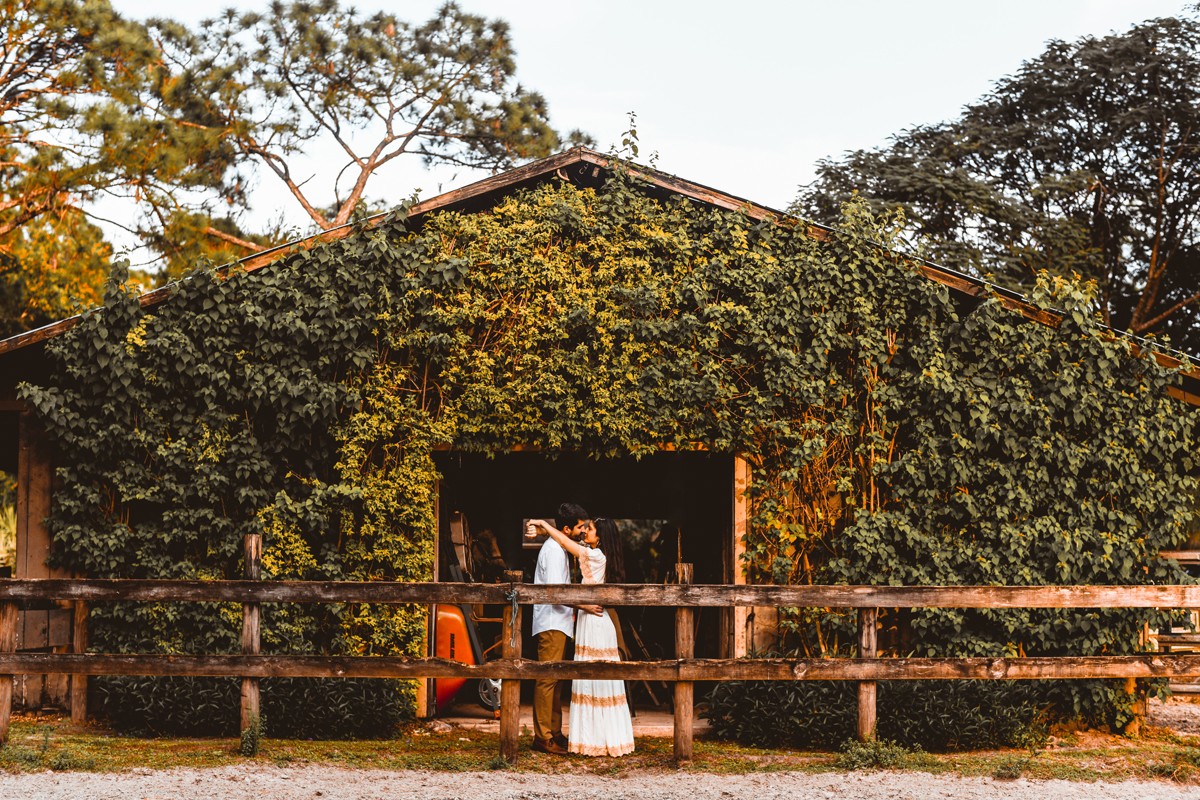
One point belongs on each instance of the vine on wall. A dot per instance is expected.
(894, 438)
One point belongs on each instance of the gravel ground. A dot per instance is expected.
(256, 781)
(1181, 715)
(329, 783)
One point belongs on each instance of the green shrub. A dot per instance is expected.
(11, 756)
(933, 715)
(1011, 768)
(292, 708)
(66, 761)
(880, 754)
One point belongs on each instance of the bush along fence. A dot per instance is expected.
(866, 669)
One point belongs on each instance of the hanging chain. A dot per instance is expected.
(512, 619)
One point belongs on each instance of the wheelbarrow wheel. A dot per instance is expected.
(489, 693)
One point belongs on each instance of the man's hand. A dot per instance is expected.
(597, 610)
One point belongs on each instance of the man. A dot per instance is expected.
(553, 625)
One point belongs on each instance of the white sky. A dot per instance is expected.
(744, 97)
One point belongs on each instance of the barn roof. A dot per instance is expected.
(583, 166)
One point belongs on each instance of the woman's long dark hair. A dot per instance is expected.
(614, 552)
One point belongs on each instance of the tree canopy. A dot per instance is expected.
(377, 87)
(1084, 161)
(175, 125)
(75, 130)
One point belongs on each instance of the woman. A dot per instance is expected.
(600, 724)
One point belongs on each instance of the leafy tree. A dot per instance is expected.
(1085, 161)
(79, 124)
(275, 83)
(53, 266)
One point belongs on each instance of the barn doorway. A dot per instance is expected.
(670, 506)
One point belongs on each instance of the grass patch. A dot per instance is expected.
(59, 745)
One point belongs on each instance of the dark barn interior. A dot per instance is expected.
(670, 506)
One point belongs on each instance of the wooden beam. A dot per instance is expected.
(97, 590)
(685, 646)
(251, 706)
(79, 645)
(33, 547)
(688, 189)
(867, 632)
(1182, 556)
(741, 523)
(8, 644)
(1149, 665)
(510, 689)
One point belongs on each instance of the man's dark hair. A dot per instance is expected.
(569, 515)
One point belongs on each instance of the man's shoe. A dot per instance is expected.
(561, 741)
(549, 746)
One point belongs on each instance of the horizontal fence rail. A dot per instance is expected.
(1153, 665)
(94, 591)
(866, 669)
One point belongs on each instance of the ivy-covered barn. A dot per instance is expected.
(768, 400)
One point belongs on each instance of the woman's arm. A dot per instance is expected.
(571, 546)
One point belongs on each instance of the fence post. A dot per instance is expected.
(79, 644)
(685, 646)
(867, 618)
(8, 644)
(251, 706)
(510, 689)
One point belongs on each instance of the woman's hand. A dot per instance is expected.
(532, 532)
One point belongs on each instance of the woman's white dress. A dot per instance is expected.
(599, 723)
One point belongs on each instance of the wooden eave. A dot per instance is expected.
(581, 158)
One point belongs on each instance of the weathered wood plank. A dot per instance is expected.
(251, 705)
(1182, 556)
(1153, 665)
(79, 645)
(739, 615)
(867, 641)
(94, 591)
(510, 690)
(689, 189)
(685, 646)
(8, 644)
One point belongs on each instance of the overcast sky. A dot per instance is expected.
(742, 96)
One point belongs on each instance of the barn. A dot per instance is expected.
(689, 498)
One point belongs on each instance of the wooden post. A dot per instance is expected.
(741, 515)
(510, 690)
(867, 618)
(8, 644)
(251, 705)
(427, 690)
(685, 646)
(79, 644)
(34, 485)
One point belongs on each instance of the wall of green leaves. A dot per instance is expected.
(893, 437)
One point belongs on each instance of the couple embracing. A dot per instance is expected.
(600, 724)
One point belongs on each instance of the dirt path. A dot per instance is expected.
(257, 780)
(254, 782)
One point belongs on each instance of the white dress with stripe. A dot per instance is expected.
(599, 723)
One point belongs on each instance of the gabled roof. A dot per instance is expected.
(584, 166)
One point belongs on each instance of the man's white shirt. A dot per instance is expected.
(553, 566)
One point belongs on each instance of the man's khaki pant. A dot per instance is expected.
(547, 693)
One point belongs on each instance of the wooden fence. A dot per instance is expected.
(511, 668)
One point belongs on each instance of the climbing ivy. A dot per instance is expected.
(894, 436)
